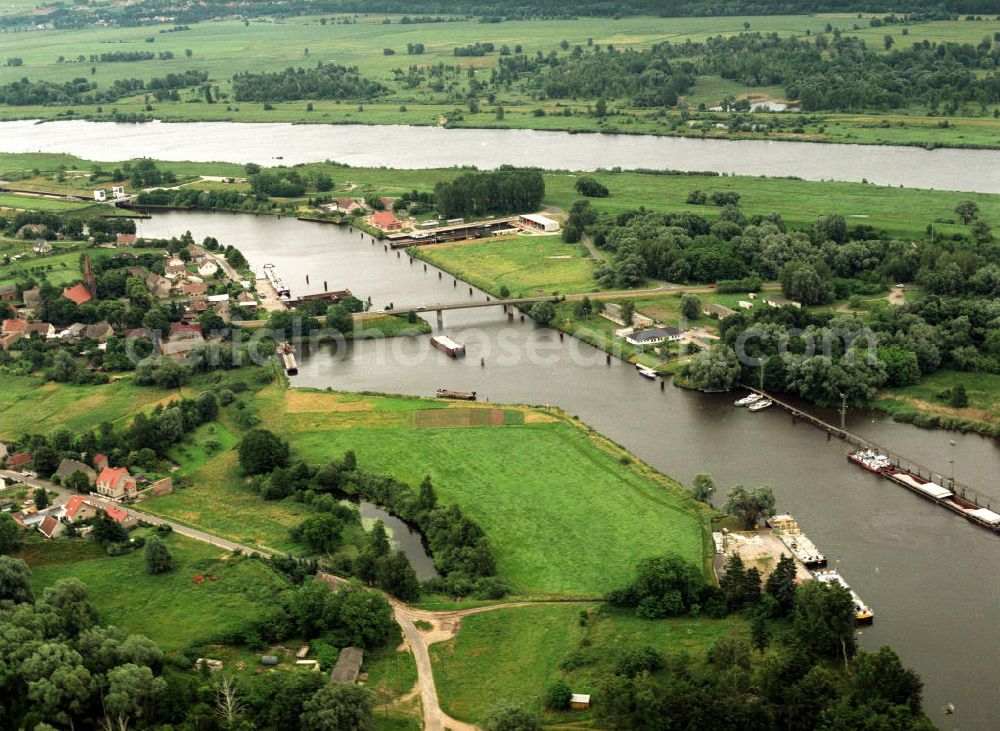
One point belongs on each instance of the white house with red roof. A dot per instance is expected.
(120, 515)
(79, 508)
(51, 527)
(386, 220)
(116, 483)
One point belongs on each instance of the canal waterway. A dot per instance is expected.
(929, 575)
(401, 146)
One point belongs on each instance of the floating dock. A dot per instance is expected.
(448, 346)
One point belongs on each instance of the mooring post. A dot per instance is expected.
(663, 384)
(470, 291)
(440, 318)
(560, 336)
(482, 362)
(607, 359)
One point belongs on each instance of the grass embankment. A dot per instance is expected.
(528, 266)
(924, 405)
(171, 609)
(225, 48)
(563, 512)
(515, 654)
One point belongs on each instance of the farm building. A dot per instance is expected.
(719, 311)
(386, 220)
(348, 665)
(18, 461)
(538, 222)
(78, 294)
(68, 466)
(50, 527)
(116, 483)
(125, 240)
(654, 336)
(100, 195)
(579, 700)
(774, 300)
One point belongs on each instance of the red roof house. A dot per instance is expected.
(125, 239)
(192, 290)
(119, 515)
(181, 329)
(19, 460)
(116, 483)
(78, 293)
(50, 527)
(99, 461)
(79, 508)
(386, 220)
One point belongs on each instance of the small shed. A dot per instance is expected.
(579, 700)
(268, 660)
(348, 665)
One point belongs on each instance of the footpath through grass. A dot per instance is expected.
(562, 512)
(171, 609)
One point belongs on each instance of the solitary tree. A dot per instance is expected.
(41, 498)
(543, 312)
(967, 211)
(703, 487)
(158, 558)
(751, 506)
(781, 585)
(508, 717)
(691, 306)
(261, 451)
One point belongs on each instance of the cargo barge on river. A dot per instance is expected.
(882, 465)
(787, 529)
(457, 395)
(862, 612)
(448, 346)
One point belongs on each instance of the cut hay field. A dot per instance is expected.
(562, 512)
(515, 654)
(526, 265)
(171, 609)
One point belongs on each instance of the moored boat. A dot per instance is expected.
(863, 614)
(761, 405)
(448, 346)
(870, 460)
(747, 400)
(645, 372)
(787, 529)
(459, 395)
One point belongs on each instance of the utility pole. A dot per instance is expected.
(843, 410)
(951, 461)
(762, 361)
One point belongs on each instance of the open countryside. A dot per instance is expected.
(438, 413)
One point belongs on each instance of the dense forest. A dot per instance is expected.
(502, 191)
(326, 81)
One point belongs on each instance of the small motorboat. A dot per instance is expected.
(761, 404)
(646, 372)
(747, 400)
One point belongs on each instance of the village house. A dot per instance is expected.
(347, 205)
(194, 290)
(386, 220)
(183, 339)
(78, 294)
(125, 240)
(99, 331)
(174, 267)
(74, 332)
(8, 292)
(32, 298)
(51, 527)
(207, 269)
(120, 516)
(18, 461)
(654, 336)
(115, 483)
(41, 329)
(69, 466)
(41, 247)
(78, 508)
(246, 303)
(159, 287)
(14, 326)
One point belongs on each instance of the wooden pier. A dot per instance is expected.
(963, 499)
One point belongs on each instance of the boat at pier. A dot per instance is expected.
(459, 395)
(747, 400)
(272, 276)
(787, 529)
(761, 404)
(448, 346)
(645, 372)
(863, 614)
(870, 460)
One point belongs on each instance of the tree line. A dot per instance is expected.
(84, 91)
(506, 190)
(325, 81)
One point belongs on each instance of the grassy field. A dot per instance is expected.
(561, 510)
(58, 267)
(12, 202)
(224, 48)
(514, 654)
(27, 404)
(526, 265)
(983, 390)
(171, 609)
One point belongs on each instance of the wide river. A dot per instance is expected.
(431, 147)
(930, 576)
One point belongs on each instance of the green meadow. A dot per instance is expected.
(515, 654)
(526, 265)
(171, 609)
(566, 511)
